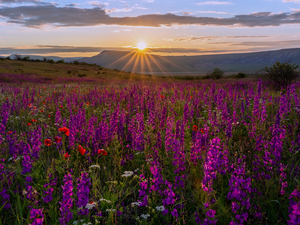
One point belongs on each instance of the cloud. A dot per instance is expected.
(265, 43)
(214, 3)
(213, 12)
(201, 38)
(18, 1)
(71, 5)
(37, 16)
(51, 49)
(295, 1)
(186, 13)
(113, 10)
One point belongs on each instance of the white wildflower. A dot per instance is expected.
(77, 221)
(110, 210)
(149, 160)
(135, 204)
(160, 208)
(127, 174)
(136, 170)
(145, 216)
(91, 205)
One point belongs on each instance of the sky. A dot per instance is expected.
(169, 27)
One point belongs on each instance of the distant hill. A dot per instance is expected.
(55, 58)
(238, 62)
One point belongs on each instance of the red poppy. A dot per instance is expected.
(49, 115)
(191, 97)
(29, 105)
(87, 103)
(65, 130)
(57, 139)
(61, 106)
(102, 152)
(47, 142)
(195, 128)
(161, 96)
(81, 150)
(270, 103)
(29, 124)
(42, 110)
(66, 156)
(91, 202)
(9, 132)
(202, 131)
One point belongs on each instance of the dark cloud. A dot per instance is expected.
(49, 49)
(41, 15)
(18, 1)
(201, 38)
(295, 43)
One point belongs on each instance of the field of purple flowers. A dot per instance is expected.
(149, 153)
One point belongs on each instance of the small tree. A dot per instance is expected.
(280, 75)
(26, 58)
(240, 75)
(17, 57)
(216, 73)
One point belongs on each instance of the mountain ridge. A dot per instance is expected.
(232, 62)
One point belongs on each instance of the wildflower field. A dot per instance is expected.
(169, 152)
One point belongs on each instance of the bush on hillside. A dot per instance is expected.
(50, 61)
(281, 75)
(17, 57)
(61, 61)
(240, 75)
(217, 73)
(26, 58)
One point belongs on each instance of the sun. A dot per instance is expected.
(141, 45)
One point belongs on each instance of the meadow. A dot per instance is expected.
(102, 150)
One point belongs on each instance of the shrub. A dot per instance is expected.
(281, 75)
(82, 75)
(240, 75)
(26, 58)
(61, 61)
(76, 62)
(216, 73)
(17, 57)
(50, 61)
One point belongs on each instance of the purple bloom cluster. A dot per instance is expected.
(67, 201)
(37, 216)
(294, 208)
(83, 191)
(239, 194)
